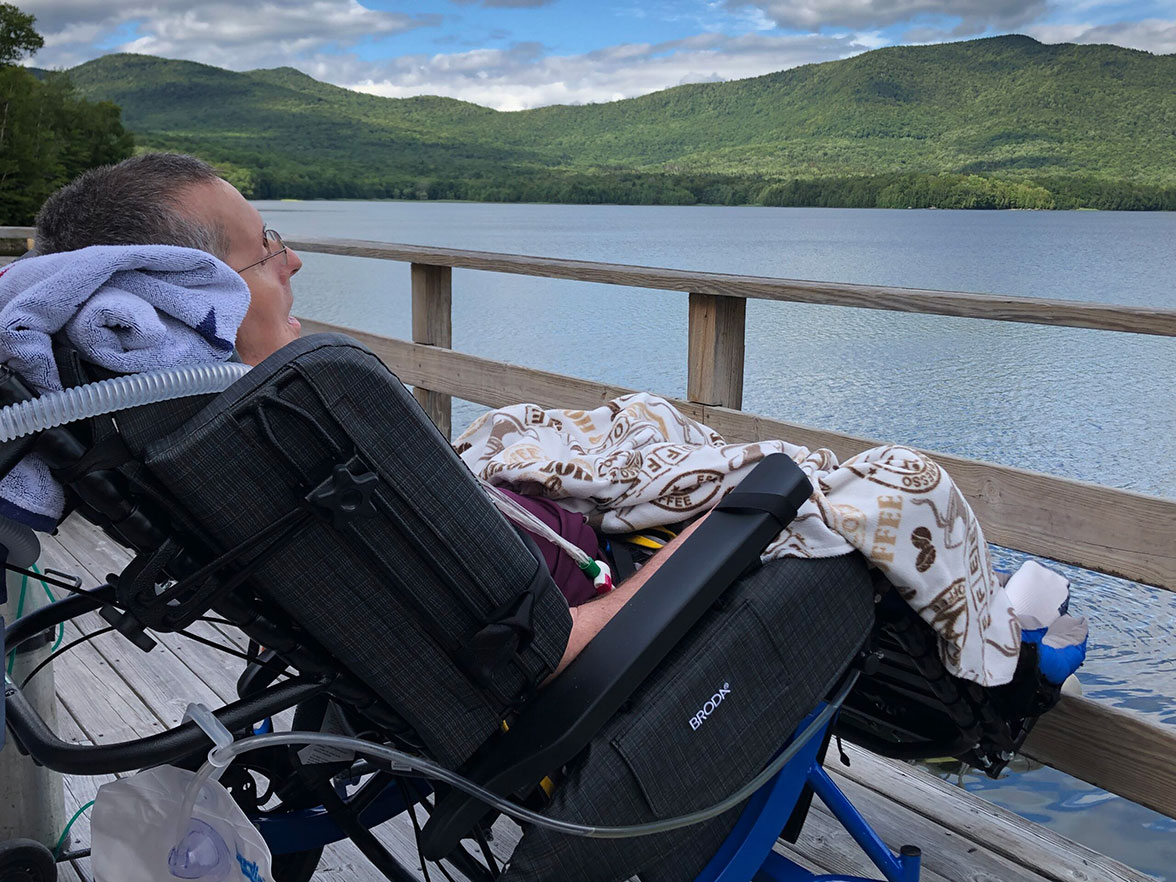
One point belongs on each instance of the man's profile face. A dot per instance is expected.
(268, 325)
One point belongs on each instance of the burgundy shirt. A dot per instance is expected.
(572, 581)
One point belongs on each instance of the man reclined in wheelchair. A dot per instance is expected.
(434, 618)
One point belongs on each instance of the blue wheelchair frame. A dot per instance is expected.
(746, 854)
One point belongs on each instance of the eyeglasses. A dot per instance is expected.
(272, 241)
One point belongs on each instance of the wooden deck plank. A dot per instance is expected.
(79, 790)
(100, 553)
(98, 697)
(216, 670)
(945, 852)
(161, 681)
(67, 872)
(795, 854)
(1000, 830)
(823, 841)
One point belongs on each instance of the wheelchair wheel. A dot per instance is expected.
(298, 866)
(24, 860)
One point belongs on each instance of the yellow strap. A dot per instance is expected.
(665, 531)
(644, 542)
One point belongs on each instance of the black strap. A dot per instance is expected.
(147, 569)
(506, 634)
(109, 453)
(782, 508)
(623, 564)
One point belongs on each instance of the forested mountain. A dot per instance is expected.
(999, 122)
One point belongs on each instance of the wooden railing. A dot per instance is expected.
(1132, 535)
(1113, 531)
(15, 241)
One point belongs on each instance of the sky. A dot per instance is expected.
(517, 54)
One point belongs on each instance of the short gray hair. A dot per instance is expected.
(136, 202)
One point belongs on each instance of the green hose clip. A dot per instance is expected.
(600, 574)
(590, 567)
(65, 832)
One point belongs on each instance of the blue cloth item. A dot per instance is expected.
(1061, 648)
(125, 308)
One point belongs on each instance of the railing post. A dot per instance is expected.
(715, 373)
(432, 324)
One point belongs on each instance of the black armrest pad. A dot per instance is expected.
(560, 721)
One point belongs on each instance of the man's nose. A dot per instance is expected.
(293, 261)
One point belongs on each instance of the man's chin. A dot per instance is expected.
(295, 325)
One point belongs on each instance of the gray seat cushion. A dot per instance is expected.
(718, 708)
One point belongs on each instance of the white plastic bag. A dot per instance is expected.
(1041, 600)
(135, 821)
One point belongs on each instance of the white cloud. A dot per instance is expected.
(1152, 35)
(813, 15)
(73, 34)
(871, 39)
(218, 32)
(519, 78)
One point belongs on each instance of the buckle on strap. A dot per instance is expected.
(347, 493)
(507, 633)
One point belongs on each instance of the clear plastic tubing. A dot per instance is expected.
(219, 759)
(117, 393)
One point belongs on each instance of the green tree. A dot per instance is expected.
(17, 37)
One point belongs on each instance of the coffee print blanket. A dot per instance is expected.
(638, 462)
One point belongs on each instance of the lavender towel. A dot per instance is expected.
(125, 308)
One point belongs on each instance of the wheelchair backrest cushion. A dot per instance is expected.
(713, 714)
(391, 558)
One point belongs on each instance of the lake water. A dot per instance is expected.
(1091, 405)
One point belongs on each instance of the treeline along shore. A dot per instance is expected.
(891, 190)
